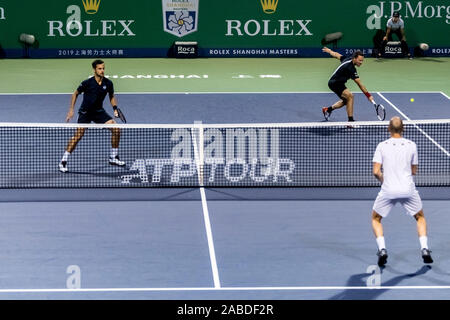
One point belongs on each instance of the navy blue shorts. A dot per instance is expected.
(98, 116)
(337, 87)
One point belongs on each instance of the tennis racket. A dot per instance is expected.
(380, 110)
(121, 115)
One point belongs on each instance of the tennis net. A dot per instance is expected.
(214, 155)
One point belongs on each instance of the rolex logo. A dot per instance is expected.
(91, 6)
(269, 6)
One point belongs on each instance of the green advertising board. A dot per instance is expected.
(71, 28)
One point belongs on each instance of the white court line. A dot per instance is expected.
(407, 91)
(212, 253)
(445, 95)
(209, 92)
(178, 93)
(415, 125)
(298, 288)
(199, 159)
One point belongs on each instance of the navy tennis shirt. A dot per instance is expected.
(94, 93)
(345, 71)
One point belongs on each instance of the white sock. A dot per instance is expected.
(65, 156)
(423, 242)
(114, 152)
(380, 243)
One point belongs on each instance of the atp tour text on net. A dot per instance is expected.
(241, 153)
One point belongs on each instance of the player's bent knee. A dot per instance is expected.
(419, 215)
(376, 216)
(347, 96)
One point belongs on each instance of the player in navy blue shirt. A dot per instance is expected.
(94, 92)
(345, 71)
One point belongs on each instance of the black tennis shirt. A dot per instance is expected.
(94, 93)
(345, 71)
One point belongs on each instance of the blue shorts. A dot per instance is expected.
(97, 116)
(337, 87)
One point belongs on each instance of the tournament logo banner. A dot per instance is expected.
(180, 16)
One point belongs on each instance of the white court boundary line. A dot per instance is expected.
(199, 159)
(211, 92)
(294, 288)
(445, 95)
(414, 123)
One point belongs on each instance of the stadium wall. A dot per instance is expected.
(231, 28)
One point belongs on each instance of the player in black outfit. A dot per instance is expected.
(91, 110)
(345, 71)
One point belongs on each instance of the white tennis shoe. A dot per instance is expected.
(63, 166)
(116, 161)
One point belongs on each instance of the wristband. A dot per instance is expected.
(368, 95)
(114, 108)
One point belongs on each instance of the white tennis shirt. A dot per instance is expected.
(395, 25)
(396, 156)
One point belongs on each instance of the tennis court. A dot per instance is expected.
(188, 241)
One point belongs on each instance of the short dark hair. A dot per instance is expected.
(97, 62)
(357, 53)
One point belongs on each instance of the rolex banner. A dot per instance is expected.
(229, 28)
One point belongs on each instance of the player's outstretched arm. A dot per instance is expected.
(364, 90)
(332, 53)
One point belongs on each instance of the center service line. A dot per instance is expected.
(199, 159)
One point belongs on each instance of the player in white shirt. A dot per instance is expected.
(395, 25)
(399, 160)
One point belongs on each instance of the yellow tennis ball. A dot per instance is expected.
(412, 99)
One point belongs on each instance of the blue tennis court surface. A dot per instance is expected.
(166, 108)
(228, 243)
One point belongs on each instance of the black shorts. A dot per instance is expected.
(98, 116)
(337, 87)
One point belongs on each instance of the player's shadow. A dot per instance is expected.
(431, 60)
(103, 171)
(358, 280)
(97, 174)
